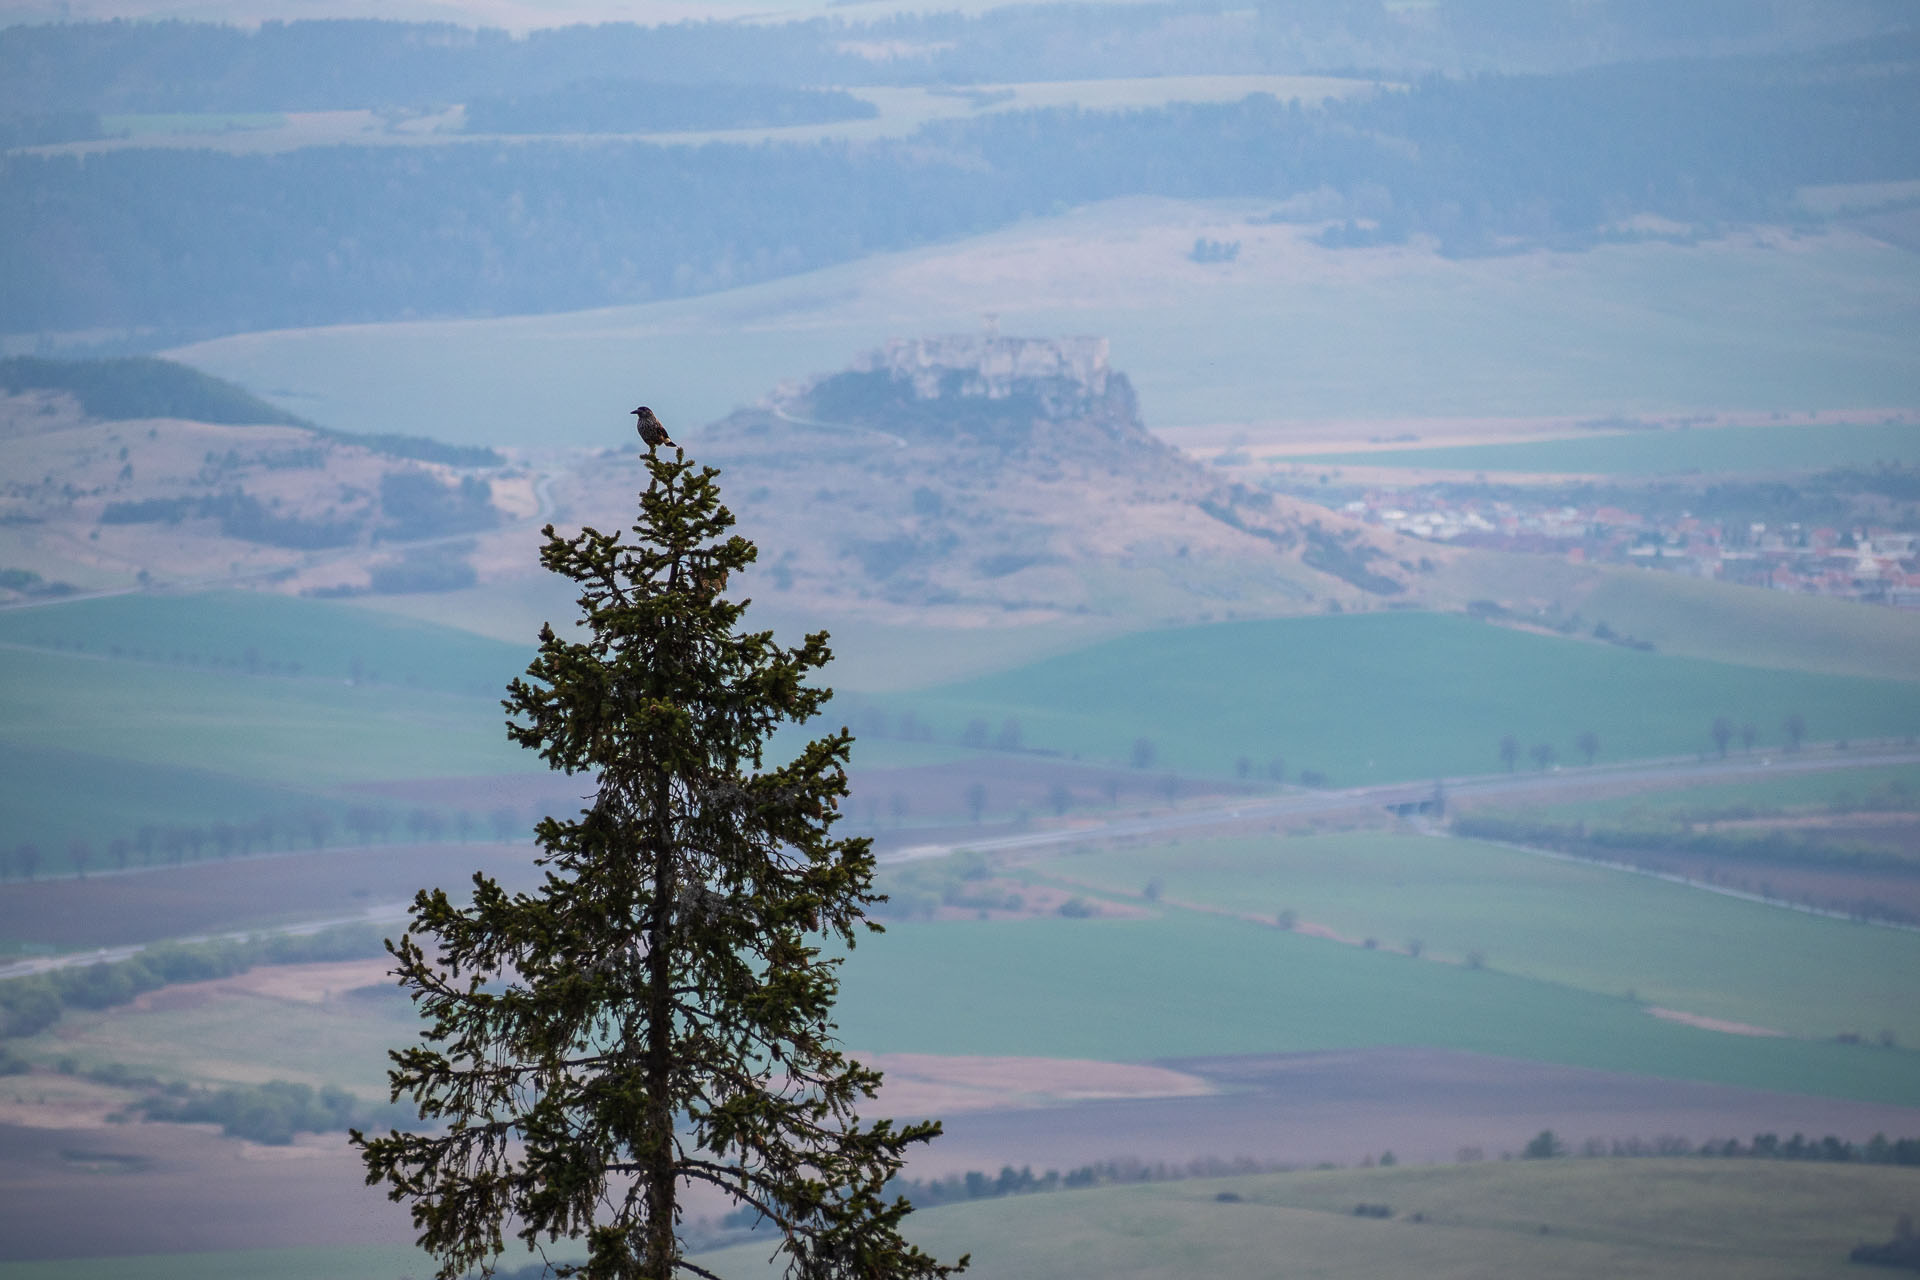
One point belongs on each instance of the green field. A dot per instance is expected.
(1697, 618)
(1571, 1219)
(236, 705)
(259, 632)
(1573, 925)
(1186, 984)
(1717, 450)
(1289, 331)
(1381, 697)
(52, 796)
(1826, 788)
(303, 732)
(136, 710)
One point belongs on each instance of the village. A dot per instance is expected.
(1869, 563)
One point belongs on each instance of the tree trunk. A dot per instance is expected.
(660, 1156)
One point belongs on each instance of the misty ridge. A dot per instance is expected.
(1490, 162)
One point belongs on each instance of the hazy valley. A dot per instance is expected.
(1370, 552)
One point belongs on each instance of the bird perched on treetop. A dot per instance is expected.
(650, 429)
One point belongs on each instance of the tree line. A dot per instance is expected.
(180, 842)
(31, 1004)
(339, 64)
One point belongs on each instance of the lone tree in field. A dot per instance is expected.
(657, 1014)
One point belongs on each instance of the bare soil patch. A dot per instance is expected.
(933, 1084)
(298, 983)
(1712, 1024)
(43, 1100)
(1424, 1105)
(210, 897)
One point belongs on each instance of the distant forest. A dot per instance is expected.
(345, 64)
(192, 242)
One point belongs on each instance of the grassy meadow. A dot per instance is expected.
(1390, 696)
(1188, 984)
(257, 632)
(1836, 789)
(52, 796)
(244, 1038)
(1694, 617)
(1668, 1219)
(1720, 450)
(1562, 923)
(1287, 331)
(1672, 1219)
(1185, 982)
(299, 732)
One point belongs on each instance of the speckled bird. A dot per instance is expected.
(650, 429)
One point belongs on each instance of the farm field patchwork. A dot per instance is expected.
(1579, 926)
(1187, 984)
(1668, 1219)
(1180, 984)
(1393, 696)
(1720, 450)
(1676, 1219)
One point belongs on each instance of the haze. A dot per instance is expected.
(1371, 551)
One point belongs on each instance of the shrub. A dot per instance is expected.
(28, 1005)
(101, 986)
(271, 1113)
(1545, 1146)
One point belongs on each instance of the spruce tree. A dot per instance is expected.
(656, 1014)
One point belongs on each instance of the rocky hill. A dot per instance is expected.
(115, 473)
(988, 476)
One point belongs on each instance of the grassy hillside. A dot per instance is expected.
(1644, 453)
(243, 631)
(1188, 984)
(1579, 926)
(299, 731)
(52, 796)
(1571, 1219)
(1377, 697)
(1731, 623)
(1832, 788)
(142, 387)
